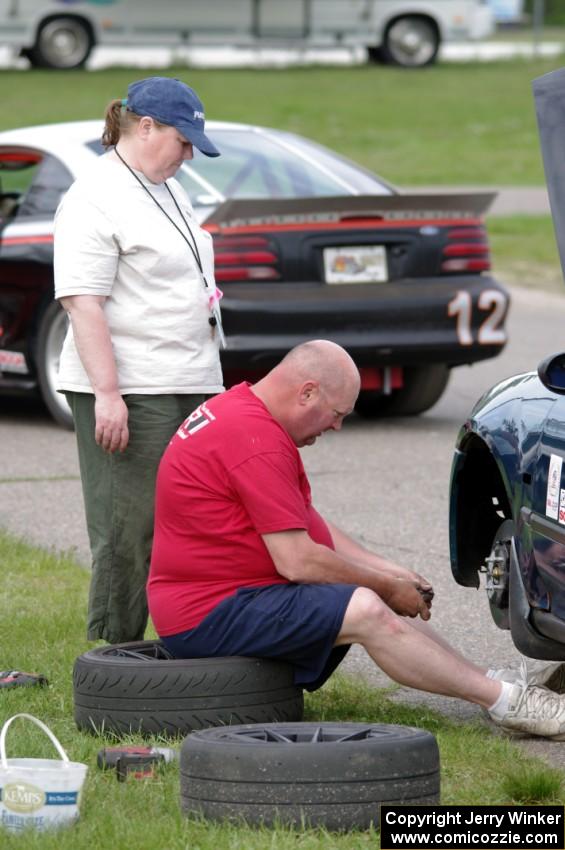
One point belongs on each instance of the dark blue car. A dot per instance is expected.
(507, 508)
(507, 505)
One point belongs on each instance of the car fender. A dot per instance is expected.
(494, 457)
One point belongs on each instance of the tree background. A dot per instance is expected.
(554, 11)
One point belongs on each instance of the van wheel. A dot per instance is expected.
(139, 688)
(62, 43)
(334, 775)
(423, 387)
(411, 41)
(52, 332)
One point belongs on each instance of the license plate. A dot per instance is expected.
(357, 264)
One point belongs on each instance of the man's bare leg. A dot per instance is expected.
(412, 656)
(430, 632)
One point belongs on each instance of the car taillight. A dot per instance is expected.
(252, 258)
(467, 251)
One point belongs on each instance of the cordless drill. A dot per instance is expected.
(140, 762)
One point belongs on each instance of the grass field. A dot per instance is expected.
(524, 252)
(42, 604)
(450, 124)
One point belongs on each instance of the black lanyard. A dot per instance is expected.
(190, 242)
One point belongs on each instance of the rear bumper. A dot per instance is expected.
(404, 323)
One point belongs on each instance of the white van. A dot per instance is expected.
(62, 33)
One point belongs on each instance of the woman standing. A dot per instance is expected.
(135, 273)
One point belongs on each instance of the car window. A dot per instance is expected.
(358, 178)
(17, 169)
(31, 183)
(260, 165)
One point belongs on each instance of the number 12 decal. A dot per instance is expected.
(490, 332)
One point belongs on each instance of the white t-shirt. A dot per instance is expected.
(111, 239)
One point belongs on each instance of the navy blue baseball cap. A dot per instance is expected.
(172, 102)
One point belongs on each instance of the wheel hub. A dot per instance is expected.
(65, 43)
(497, 573)
(497, 581)
(412, 42)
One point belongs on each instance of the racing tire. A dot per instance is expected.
(63, 43)
(411, 41)
(52, 330)
(139, 688)
(334, 775)
(423, 387)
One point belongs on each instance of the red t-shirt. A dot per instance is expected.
(230, 474)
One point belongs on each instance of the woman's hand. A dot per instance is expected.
(94, 346)
(111, 414)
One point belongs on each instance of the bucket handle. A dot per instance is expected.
(42, 726)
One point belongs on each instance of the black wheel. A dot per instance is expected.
(138, 687)
(334, 775)
(52, 331)
(497, 571)
(62, 42)
(423, 387)
(411, 41)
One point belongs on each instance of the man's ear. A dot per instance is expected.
(309, 392)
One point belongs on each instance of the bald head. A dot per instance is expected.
(323, 361)
(311, 390)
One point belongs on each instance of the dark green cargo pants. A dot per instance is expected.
(118, 492)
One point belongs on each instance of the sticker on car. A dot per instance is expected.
(553, 486)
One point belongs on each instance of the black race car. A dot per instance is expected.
(308, 245)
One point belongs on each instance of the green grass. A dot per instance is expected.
(524, 251)
(42, 613)
(449, 124)
(533, 787)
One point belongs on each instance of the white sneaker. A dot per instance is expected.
(535, 711)
(533, 673)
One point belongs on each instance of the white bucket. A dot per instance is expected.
(39, 793)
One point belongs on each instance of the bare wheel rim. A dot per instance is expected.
(152, 652)
(64, 42)
(315, 734)
(53, 345)
(412, 41)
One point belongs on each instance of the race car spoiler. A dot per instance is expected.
(258, 212)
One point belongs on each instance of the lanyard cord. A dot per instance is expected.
(189, 242)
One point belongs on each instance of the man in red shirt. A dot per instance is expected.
(243, 564)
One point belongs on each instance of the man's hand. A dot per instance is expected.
(408, 598)
(111, 413)
(410, 575)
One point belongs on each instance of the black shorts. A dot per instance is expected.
(297, 623)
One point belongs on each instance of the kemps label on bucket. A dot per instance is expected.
(20, 797)
(23, 804)
(38, 793)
